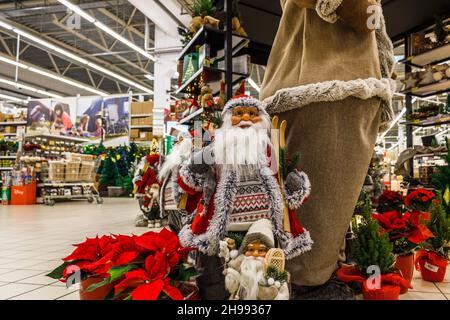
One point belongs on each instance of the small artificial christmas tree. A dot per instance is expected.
(439, 225)
(441, 180)
(110, 174)
(371, 246)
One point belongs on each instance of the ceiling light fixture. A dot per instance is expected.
(106, 29)
(394, 122)
(11, 98)
(72, 56)
(29, 88)
(53, 76)
(253, 84)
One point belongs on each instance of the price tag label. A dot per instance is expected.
(431, 267)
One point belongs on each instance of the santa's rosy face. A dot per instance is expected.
(245, 117)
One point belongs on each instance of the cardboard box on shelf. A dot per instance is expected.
(134, 133)
(146, 121)
(9, 129)
(135, 121)
(145, 107)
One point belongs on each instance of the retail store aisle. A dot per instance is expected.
(33, 239)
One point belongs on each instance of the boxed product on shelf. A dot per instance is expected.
(10, 129)
(135, 121)
(134, 133)
(240, 64)
(146, 121)
(143, 107)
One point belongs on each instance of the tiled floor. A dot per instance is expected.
(33, 239)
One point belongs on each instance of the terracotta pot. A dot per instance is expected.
(97, 294)
(405, 264)
(386, 292)
(432, 267)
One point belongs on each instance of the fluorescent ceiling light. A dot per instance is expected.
(11, 98)
(29, 88)
(253, 84)
(394, 122)
(77, 10)
(71, 56)
(106, 29)
(53, 76)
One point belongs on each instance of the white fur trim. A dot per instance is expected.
(243, 101)
(294, 247)
(296, 198)
(335, 90)
(326, 9)
(191, 179)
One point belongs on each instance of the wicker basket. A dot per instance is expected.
(87, 170)
(275, 258)
(56, 170)
(73, 170)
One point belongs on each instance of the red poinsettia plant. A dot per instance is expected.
(419, 200)
(390, 201)
(407, 225)
(146, 267)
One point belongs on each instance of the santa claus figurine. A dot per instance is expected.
(175, 204)
(146, 190)
(236, 177)
(250, 276)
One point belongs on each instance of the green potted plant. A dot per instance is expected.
(372, 247)
(433, 259)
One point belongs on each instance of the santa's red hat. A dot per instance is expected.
(152, 159)
(243, 101)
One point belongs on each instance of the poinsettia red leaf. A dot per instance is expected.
(147, 241)
(156, 265)
(148, 291)
(125, 258)
(133, 278)
(173, 259)
(172, 292)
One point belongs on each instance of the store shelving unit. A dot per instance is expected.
(217, 40)
(18, 123)
(433, 56)
(430, 57)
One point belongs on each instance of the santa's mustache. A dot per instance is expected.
(245, 123)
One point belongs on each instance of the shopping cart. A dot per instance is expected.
(70, 179)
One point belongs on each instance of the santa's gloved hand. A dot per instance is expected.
(295, 180)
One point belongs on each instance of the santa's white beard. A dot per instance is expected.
(179, 153)
(236, 146)
(252, 273)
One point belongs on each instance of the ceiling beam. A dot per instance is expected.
(33, 8)
(81, 36)
(75, 51)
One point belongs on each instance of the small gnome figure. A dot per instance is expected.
(236, 178)
(247, 276)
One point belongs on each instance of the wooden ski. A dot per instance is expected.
(286, 221)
